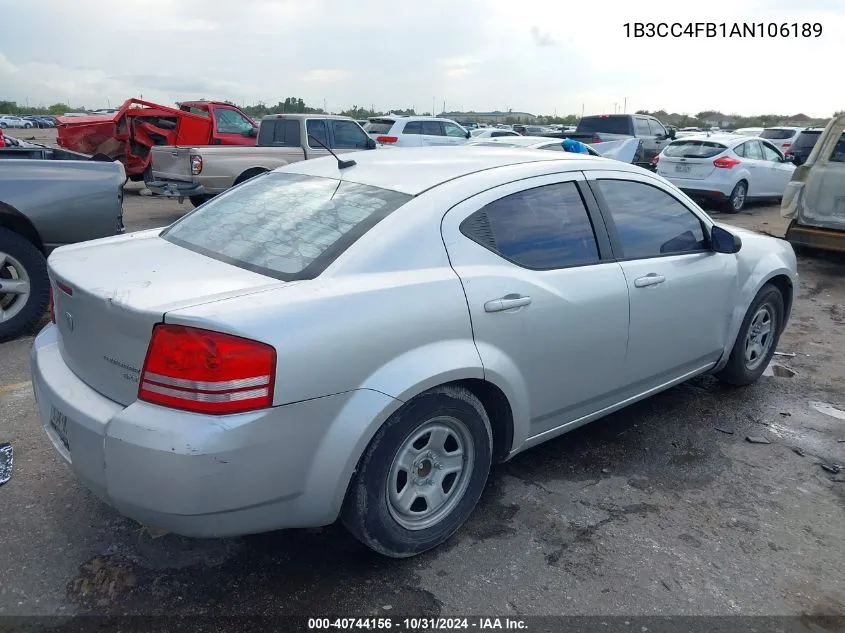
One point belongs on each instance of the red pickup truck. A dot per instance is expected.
(129, 134)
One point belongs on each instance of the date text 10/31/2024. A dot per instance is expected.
(723, 29)
(417, 624)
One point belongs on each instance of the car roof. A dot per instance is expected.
(413, 170)
(783, 127)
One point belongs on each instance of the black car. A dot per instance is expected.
(804, 144)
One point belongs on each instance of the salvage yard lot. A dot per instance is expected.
(661, 509)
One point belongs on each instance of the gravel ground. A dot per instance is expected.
(651, 511)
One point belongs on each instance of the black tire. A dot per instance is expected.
(366, 510)
(737, 371)
(198, 200)
(739, 196)
(35, 265)
(249, 173)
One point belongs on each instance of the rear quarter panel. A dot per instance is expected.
(66, 201)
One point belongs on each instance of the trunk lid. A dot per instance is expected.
(108, 294)
(691, 159)
(172, 163)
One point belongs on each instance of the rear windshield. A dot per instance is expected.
(606, 124)
(379, 126)
(286, 226)
(776, 134)
(806, 140)
(694, 149)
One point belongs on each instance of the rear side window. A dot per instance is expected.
(606, 124)
(650, 222)
(413, 127)
(286, 226)
(280, 133)
(806, 140)
(379, 126)
(775, 134)
(316, 128)
(542, 228)
(694, 149)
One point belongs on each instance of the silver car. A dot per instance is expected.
(365, 341)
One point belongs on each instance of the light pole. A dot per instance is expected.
(625, 111)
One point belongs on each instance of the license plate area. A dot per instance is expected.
(683, 169)
(58, 422)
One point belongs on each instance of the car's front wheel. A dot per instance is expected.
(757, 339)
(24, 285)
(422, 474)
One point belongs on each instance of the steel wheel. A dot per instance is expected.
(759, 338)
(15, 287)
(430, 473)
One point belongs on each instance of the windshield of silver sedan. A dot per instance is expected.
(282, 225)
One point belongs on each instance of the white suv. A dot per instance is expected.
(781, 137)
(415, 131)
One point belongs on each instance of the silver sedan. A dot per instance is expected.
(365, 341)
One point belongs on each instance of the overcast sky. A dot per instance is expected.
(530, 55)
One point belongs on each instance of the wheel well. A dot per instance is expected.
(13, 220)
(784, 284)
(249, 173)
(498, 410)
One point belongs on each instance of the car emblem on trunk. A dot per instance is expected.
(69, 320)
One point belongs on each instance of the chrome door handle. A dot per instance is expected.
(652, 279)
(506, 303)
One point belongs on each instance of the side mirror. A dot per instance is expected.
(789, 158)
(671, 133)
(723, 241)
(250, 133)
(371, 144)
(468, 134)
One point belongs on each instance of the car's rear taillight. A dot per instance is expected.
(387, 139)
(596, 139)
(726, 162)
(785, 145)
(207, 372)
(196, 164)
(656, 159)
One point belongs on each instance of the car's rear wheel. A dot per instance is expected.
(737, 199)
(24, 285)
(422, 474)
(757, 339)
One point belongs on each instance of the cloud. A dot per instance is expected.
(542, 39)
(325, 75)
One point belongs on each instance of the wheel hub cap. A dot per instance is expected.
(14, 287)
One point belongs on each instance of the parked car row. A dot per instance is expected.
(26, 122)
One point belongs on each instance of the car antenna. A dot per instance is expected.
(341, 164)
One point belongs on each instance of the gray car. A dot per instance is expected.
(365, 341)
(48, 198)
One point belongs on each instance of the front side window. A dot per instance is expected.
(542, 228)
(316, 128)
(752, 150)
(348, 135)
(453, 130)
(770, 153)
(232, 122)
(286, 226)
(656, 128)
(641, 127)
(649, 221)
(838, 153)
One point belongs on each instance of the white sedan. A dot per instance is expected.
(726, 169)
(364, 341)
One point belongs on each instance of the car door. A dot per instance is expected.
(658, 133)
(455, 135)
(778, 171)
(232, 128)
(682, 294)
(549, 307)
(758, 174)
(433, 134)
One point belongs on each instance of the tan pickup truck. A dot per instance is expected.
(198, 173)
